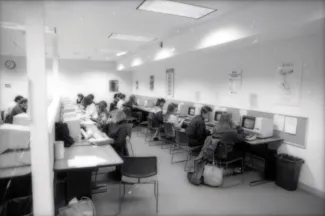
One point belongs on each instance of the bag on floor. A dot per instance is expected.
(213, 175)
(83, 207)
(62, 133)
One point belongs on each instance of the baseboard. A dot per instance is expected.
(311, 190)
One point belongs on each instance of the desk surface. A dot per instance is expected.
(15, 172)
(263, 141)
(88, 156)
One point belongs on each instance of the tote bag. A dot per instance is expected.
(212, 175)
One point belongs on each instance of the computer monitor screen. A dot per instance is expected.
(217, 116)
(191, 111)
(248, 122)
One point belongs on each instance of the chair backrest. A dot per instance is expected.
(139, 167)
(169, 129)
(181, 138)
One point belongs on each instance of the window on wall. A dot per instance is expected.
(113, 85)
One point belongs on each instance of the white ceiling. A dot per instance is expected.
(84, 26)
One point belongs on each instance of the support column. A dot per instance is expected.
(42, 171)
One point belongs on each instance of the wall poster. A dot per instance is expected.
(288, 84)
(152, 82)
(235, 81)
(137, 85)
(113, 85)
(170, 82)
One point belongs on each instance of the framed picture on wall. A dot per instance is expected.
(152, 83)
(170, 82)
(136, 85)
(113, 85)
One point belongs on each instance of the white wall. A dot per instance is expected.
(86, 77)
(206, 72)
(76, 76)
(16, 77)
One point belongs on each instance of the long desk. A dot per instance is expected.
(79, 161)
(260, 148)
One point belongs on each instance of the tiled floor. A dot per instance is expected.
(178, 197)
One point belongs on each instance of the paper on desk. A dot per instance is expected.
(242, 112)
(290, 125)
(279, 122)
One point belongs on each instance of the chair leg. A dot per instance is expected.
(187, 159)
(119, 199)
(157, 194)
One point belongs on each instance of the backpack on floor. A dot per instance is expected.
(62, 134)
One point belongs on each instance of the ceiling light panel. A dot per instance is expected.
(175, 8)
(127, 37)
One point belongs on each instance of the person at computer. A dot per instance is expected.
(21, 107)
(103, 116)
(12, 104)
(129, 108)
(118, 132)
(171, 116)
(113, 105)
(91, 110)
(80, 98)
(196, 130)
(156, 115)
(121, 102)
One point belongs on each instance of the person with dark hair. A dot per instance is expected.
(21, 107)
(102, 115)
(113, 105)
(119, 131)
(91, 111)
(80, 98)
(129, 108)
(196, 130)
(8, 110)
(171, 117)
(157, 117)
(121, 102)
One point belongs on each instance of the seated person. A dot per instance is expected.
(8, 110)
(129, 106)
(80, 98)
(196, 129)
(113, 105)
(230, 134)
(119, 131)
(157, 118)
(121, 102)
(171, 117)
(21, 107)
(91, 110)
(102, 115)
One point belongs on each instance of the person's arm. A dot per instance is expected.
(202, 132)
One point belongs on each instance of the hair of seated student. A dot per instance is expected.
(205, 109)
(18, 98)
(23, 101)
(171, 109)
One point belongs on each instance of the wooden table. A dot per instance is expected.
(79, 162)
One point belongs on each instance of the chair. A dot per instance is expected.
(150, 129)
(139, 170)
(181, 139)
(128, 140)
(225, 158)
(2, 115)
(128, 114)
(169, 131)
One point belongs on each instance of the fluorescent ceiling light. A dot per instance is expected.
(17, 27)
(175, 8)
(136, 62)
(120, 67)
(120, 53)
(128, 37)
(164, 53)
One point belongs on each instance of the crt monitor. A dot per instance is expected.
(191, 111)
(217, 116)
(248, 122)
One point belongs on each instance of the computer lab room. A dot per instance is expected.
(162, 107)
